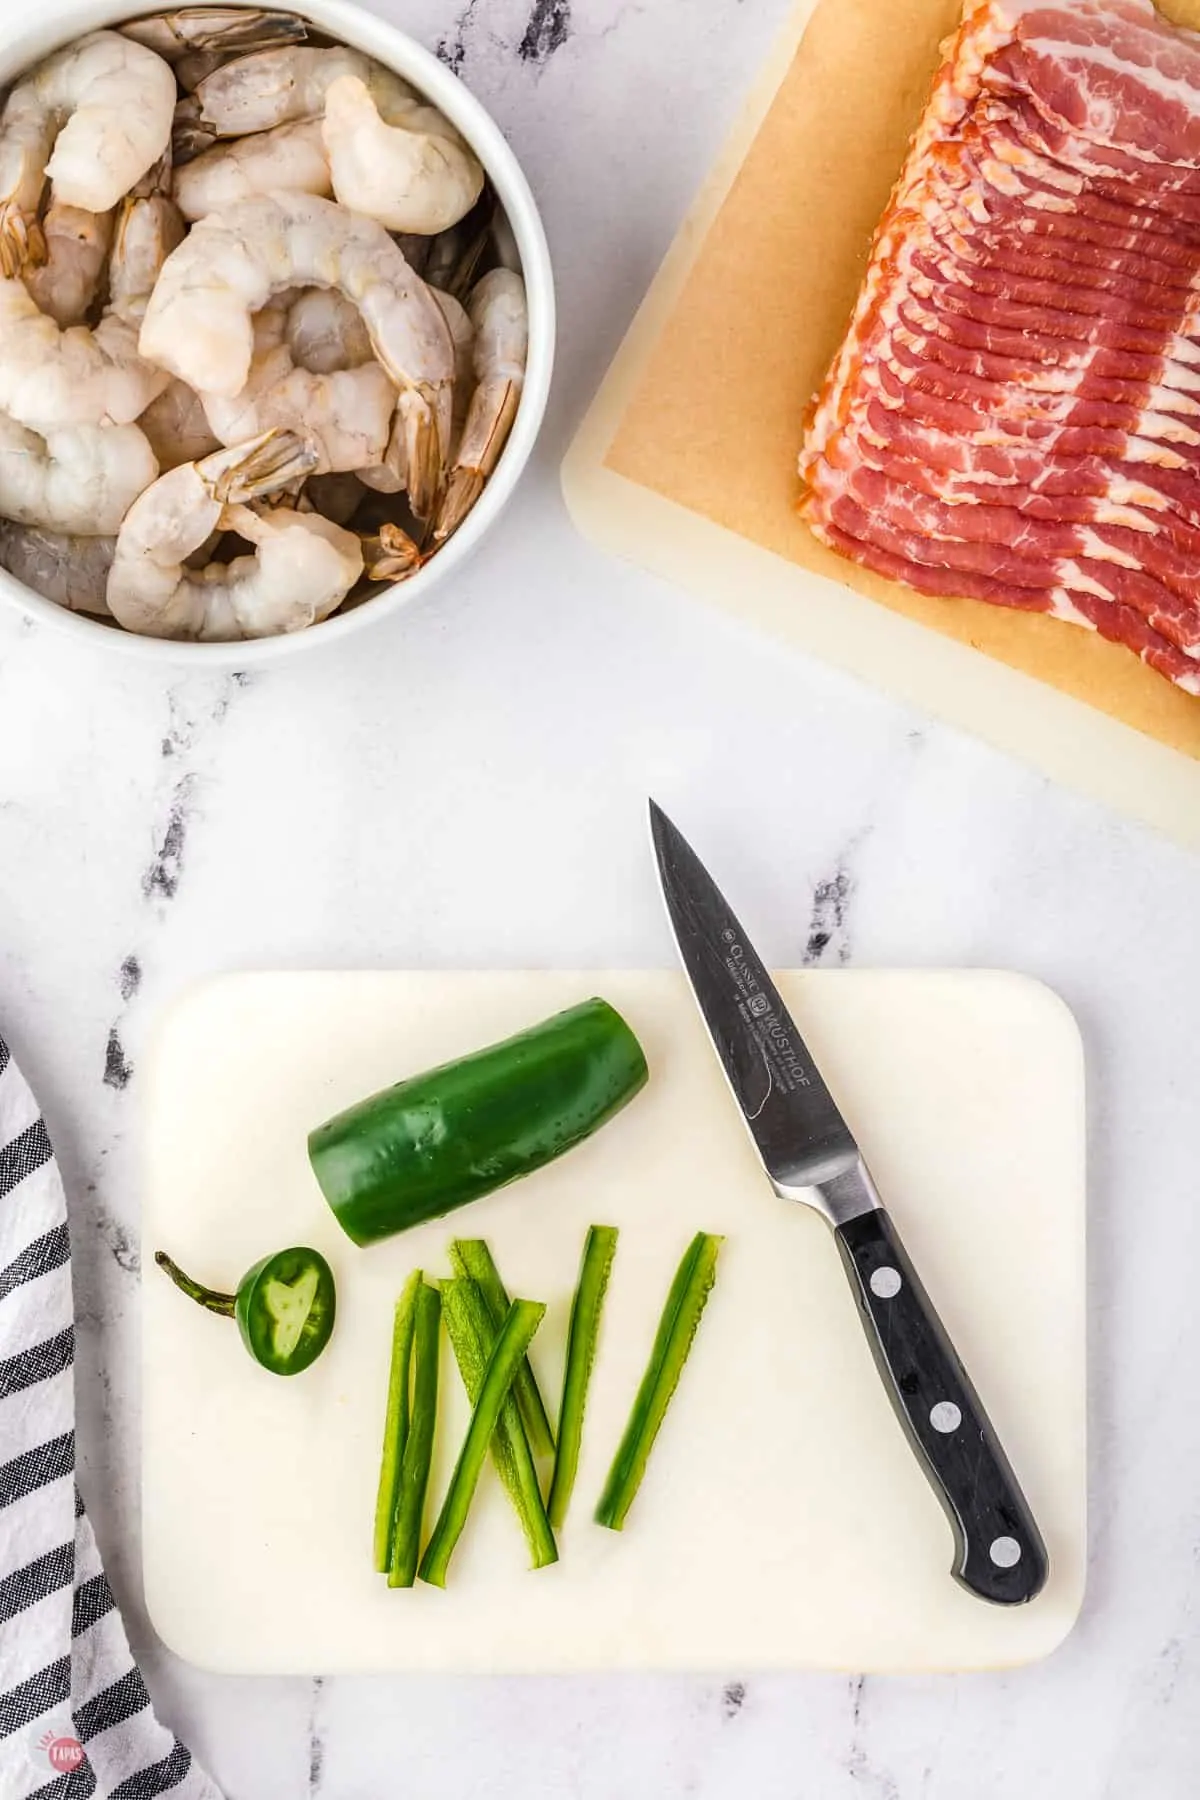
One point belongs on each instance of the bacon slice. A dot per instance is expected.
(1014, 412)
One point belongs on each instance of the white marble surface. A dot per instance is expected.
(465, 788)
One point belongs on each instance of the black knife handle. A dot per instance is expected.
(1000, 1555)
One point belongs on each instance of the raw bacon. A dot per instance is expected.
(1014, 413)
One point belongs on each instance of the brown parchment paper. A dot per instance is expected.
(716, 418)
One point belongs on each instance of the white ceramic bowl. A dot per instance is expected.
(59, 23)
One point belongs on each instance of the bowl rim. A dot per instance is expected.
(62, 20)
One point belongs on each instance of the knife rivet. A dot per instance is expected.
(885, 1283)
(1005, 1552)
(945, 1416)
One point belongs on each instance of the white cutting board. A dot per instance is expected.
(783, 1522)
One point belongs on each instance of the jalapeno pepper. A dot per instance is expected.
(438, 1140)
(284, 1306)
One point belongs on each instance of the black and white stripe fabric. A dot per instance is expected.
(75, 1717)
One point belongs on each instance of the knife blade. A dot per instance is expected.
(810, 1155)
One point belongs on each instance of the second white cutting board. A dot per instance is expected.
(783, 1522)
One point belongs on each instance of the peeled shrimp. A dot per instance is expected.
(504, 242)
(290, 156)
(303, 567)
(274, 87)
(199, 323)
(177, 426)
(70, 571)
(65, 285)
(345, 415)
(149, 227)
(411, 171)
(500, 316)
(50, 377)
(80, 479)
(224, 29)
(93, 118)
(325, 332)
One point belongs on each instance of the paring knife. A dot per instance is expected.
(810, 1155)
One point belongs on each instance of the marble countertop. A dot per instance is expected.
(465, 787)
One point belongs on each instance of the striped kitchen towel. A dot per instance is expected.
(75, 1717)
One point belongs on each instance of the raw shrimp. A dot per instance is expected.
(325, 332)
(199, 321)
(225, 30)
(177, 426)
(500, 316)
(274, 87)
(80, 479)
(411, 171)
(70, 571)
(462, 333)
(390, 476)
(504, 242)
(149, 227)
(291, 156)
(73, 377)
(77, 242)
(303, 567)
(345, 415)
(93, 118)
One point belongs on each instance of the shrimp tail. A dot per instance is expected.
(467, 478)
(391, 554)
(462, 491)
(425, 444)
(189, 134)
(259, 466)
(22, 241)
(255, 30)
(156, 180)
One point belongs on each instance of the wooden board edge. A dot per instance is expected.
(1072, 742)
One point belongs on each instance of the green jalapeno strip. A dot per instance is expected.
(516, 1333)
(673, 1340)
(472, 1335)
(599, 1249)
(471, 1257)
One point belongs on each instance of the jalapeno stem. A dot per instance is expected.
(418, 1443)
(673, 1340)
(472, 1335)
(599, 1249)
(204, 1296)
(395, 1422)
(516, 1333)
(471, 1257)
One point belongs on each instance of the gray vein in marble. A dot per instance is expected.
(316, 1742)
(548, 29)
(118, 1070)
(828, 928)
(113, 1234)
(191, 713)
(733, 1698)
(162, 876)
(858, 1762)
(129, 977)
(452, 48)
